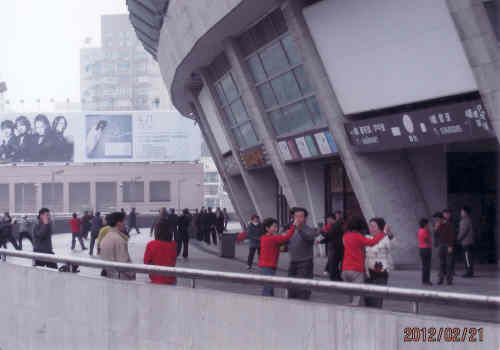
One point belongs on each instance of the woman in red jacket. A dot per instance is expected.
(162, 251)
(353, 265)
(270, 250)
(425, 245)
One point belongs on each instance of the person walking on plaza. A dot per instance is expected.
(254, 232)
(301, 249)
(466, 239)
(194, 225)
(132, 222)
(25, 229)
(204, 226)
(353, 265)
(162, 215)
(6, 232)
(182, 237)
(94, 231)
(75, 225)
(456, 246)
(85, 225)
(333, 235)
(270, 244)
(114, 247)
(219, 221)
(226, 218)
(212, 226)
(378, 258)
(162, 251)
(445, 233)
(42, 237)
(425, 247)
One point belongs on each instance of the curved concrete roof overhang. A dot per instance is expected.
(193, 34)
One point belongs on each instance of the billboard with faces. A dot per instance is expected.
(98, 137)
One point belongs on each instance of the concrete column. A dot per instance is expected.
(119, 195)
(261, 185)
(237, 191)
(93, 198)
(147, 194)
(314, 175)
(291, 178)
(481, 47)
(384, 184)
(38, 188)
(12, 197)
(66, 197)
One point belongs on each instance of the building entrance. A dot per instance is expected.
(339, 192)
(472, 181)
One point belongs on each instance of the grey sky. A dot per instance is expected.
(40, 42)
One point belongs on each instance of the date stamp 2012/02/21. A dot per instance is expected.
(443, 334)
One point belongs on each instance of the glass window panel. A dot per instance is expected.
(229, 88)
(220, 93)
(229, 115)
(267, 95)
(256, 69)
(292, 51)
(305, 86)
(286, 88)
(248, 134)
(298, 118)
(313, 105)
(239, 111)
(274, 59)
(239, 138)
(279, 122)
(279, 22)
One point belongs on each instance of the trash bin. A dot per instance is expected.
(228, 245)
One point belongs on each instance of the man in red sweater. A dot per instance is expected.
(353, 265)
(75, 224)
(162, 251)
(270, 250)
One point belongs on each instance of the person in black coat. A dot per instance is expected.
(210, 223)
(43, 145)
(42, 237)
(173, 224)
(334, 236)
(182, 237)
(96, 226)
(132, 222)
(6, 232)
(219, 221)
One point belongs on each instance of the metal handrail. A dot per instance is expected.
(414, 296)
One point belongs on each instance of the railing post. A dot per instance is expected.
(193, 283)
(414, 307)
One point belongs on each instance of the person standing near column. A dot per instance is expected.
(446, 235)
(254, 232)
(182, 237)
(301, 249)
(466, 238)
(425, 246)
(132, 222)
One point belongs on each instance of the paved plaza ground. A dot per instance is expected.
(203, 256)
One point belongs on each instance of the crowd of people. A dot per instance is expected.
(358, 252)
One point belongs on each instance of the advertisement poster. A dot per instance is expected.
(82, 137)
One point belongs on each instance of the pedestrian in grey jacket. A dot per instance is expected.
(42, 237)
(301, 250)
(466, 238)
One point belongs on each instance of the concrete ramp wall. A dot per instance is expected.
(42, 309)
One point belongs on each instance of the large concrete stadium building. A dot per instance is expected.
(377, 107)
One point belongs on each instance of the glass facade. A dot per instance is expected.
(277, 70)
(231, 104)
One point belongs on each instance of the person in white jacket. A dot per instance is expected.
(378, 259)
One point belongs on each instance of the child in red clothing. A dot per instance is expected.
(270, 250)
(162, 251)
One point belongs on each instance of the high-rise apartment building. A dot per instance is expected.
(120, 75)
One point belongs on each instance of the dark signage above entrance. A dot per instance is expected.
(458, 122)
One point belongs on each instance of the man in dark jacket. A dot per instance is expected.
(212, 226)
(85, 222)
(95, 227)
(254, 233)
(6, 234)
(161, 216)
(447, 238)
(182, 237)
(301, 253)
(42, 237)
(203, 225)
(132, 222)
(173, 223)
(333, 235)
(466, 239)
